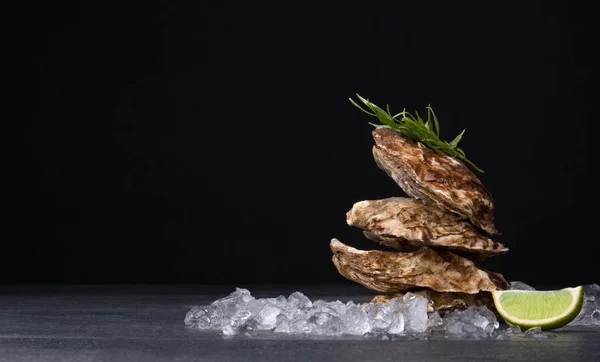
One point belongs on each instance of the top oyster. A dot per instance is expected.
(425, 174)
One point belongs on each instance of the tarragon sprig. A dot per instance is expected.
(427, 132)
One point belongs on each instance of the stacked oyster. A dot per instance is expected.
(441, 234)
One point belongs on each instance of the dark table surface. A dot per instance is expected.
(145, 323)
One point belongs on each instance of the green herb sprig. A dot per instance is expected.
(427, 132)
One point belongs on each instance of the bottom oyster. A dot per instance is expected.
(390, 272)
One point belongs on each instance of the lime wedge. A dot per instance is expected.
(545, 309)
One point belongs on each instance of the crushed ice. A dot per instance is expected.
(241, 313)
(516, 285)
(590, 312)
(477, 322)
(536, 332)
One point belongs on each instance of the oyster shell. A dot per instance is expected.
(391, 272)
(427, 175)
(444, 301)
(403, 223)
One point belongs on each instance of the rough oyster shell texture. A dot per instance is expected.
(391, 272)
(447, 222)
(403, 223)
(425, 174)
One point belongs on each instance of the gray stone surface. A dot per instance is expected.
(145, 323)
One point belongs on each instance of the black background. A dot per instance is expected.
(181, 142)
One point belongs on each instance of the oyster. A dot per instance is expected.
(388, 272)
(427, 175)
(403, 223)
(443, 301)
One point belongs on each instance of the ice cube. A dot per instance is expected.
(336, 308)
(397, 304)
(482, 318)
(515, 330)
(380, 316)
(536, 332)
(283, 326)
(239, 294)
(326, 324)
(228, 330)
(469, 328)
(517, 285)
(591, 292)
(590, 312)
(281, 301)
(476, 322)
(415, 310)
(300, 326)
(205, 317)
(267, 317)
(506, 331)
(486, 319)
(290, 310)
(355, 320)
(435, 323)
(454, 326)
(240, 317)
(397, 325)
(231, 303)
(512, 329)
(299, 300)
(245, 312)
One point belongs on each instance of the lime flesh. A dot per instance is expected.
(545, 309)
